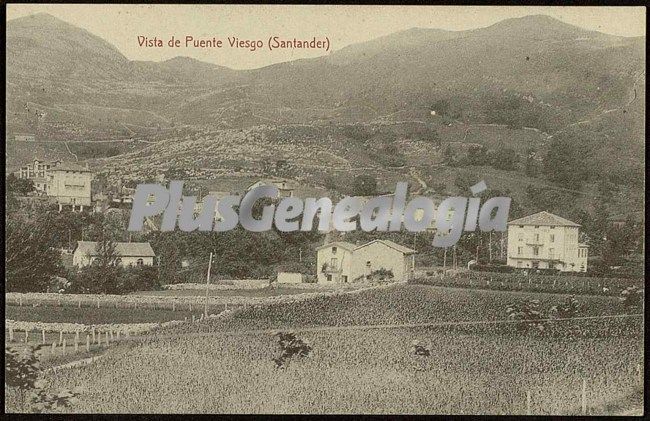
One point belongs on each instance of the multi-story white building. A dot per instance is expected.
(70, 185)
(546, 241)
(37, 172)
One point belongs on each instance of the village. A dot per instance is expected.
(538, 241)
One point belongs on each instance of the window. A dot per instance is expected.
(537, 238)
(551, 253)
(521, 226)
(535, 265)
(118, 261)
(535, 251)
(334, 262)
(334, 250)
(519, 251)
(551, 238)
(329, 278)
(345, 278)
(518, 263)
(521, 236)
(139, 262)
(536, 226)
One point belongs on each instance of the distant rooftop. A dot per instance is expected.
(121, 249)
(68, 166)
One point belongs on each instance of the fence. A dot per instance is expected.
(532, 282)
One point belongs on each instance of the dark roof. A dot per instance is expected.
(68, 166)
(121, 249)
(543, 218)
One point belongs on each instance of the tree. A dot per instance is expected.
(464, 180)
(504, 159)
(102, 275)
(19, 186)
(477, 155)
(531, 166)
(364, 185)
(31, 260)
(564, 164)
(448, 156)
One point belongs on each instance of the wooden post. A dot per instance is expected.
(87, 343)
(53, 347)
(26, 335)
(11, 334)
(107, 339)
(93, 333)
(112, 337)
(207, 287)
(190, 306)
(192, 318)
(76, 342)
(20, 301)
(528, 403)
(63, 349)
(174, 306)
(79, 303)
(118, 335)
(584, 396)
(99, 338)
(60, 337)
(43, 333)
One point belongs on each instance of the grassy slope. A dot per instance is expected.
(470, 371)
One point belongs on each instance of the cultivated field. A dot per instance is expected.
(361, 359)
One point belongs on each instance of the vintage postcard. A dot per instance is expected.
(292, 209)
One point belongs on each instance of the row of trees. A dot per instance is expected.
(503, 158)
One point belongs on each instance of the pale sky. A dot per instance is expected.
(343, 25)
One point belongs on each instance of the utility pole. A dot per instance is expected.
(502, 244)
(490, 246)
(444, 259)
(455, 261)
(300, 255)
(207, 287)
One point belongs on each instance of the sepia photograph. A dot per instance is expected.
(324, 209)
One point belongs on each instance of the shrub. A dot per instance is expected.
(290, 346)
(492, 268)
(632, 297)
(23, 373)
(528, 313)
(566, 310)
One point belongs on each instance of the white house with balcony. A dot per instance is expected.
(546, 241)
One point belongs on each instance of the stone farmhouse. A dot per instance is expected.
(342, 262)
(129, 254)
